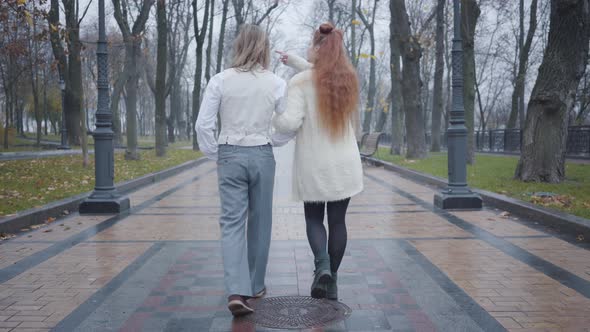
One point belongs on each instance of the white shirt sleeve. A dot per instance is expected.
(207, 120)
(277, 138)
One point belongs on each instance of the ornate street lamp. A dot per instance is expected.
(105, 198)
(457, 194)
(64, 132)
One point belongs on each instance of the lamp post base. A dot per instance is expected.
(463, 201)
(104, 205)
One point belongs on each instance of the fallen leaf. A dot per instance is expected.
(50, 220)
(48, 230)
(67, 229)
(491, 219)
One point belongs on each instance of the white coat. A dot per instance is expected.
(325, 169)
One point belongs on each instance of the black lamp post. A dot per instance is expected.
(64, 132)
(457, 194)
(105, 198)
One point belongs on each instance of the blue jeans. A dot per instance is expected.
(246, 181)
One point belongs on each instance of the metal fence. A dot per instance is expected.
(509, 140)
(386, 140)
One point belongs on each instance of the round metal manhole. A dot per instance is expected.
(297, 312)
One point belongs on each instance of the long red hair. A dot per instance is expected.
(336, 82)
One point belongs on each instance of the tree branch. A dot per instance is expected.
(85, 12)
(144, 15)
(268, 11)
(121, 19)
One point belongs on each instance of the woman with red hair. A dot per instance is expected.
(321, 106)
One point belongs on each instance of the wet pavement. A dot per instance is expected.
(408, 265)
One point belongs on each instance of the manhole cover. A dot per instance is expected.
(297, 312)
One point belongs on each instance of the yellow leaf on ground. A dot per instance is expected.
(21, 2)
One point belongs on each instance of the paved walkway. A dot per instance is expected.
(408, 266)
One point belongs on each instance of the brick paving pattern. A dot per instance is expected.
(408, 265)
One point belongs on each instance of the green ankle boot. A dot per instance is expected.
(332, 288)
(321, 277)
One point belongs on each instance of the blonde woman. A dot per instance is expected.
(321, 105)
(245, 97)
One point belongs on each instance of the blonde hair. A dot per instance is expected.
(251, 48)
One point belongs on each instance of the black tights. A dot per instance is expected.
(316, 232)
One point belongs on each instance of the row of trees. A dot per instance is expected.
(39, 43)
(555, 100)
(165, 51)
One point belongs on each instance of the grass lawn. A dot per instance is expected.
(31, 183)
(495, 173)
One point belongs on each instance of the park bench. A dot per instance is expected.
(370, 143)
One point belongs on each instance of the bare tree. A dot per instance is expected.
(178, 20)
(369, 23)
(161, 63)
(132, 39)
(411, 52)
(469, 15)
(200, 33)
(524, 49)
(69, 62)
(396, 92)
(439, 71)
(221, 41)
(209, 43)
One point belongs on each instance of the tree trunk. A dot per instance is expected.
(84, 138)
(524, 52)
(162, 53)
(382, 118)
(115, 108)
(411, 52)
(353, 36)
(188, 108)
(200, 33)
(439, 71)
(45, 115)
(132, 37)
(331, 10)
(396, 93)
(132, 52)
(75, 91)
(70, 65)
(370, 106)
(469, 15)
(222, 36)
(209, 43)
(197, 95)
(175, 112)
(564, 63)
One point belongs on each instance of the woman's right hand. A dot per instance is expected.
(284, 57)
